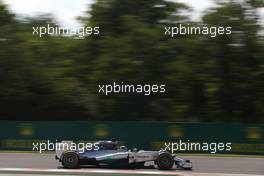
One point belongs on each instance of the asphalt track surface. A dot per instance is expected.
(201, 164)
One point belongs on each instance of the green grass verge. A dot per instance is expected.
(26, 151)
(220, 155)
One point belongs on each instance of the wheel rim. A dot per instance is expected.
(70, 160)
(165, 162)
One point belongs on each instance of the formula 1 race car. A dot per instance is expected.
(108, 153)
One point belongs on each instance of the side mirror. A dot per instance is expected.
(135, 150)
(123, 147)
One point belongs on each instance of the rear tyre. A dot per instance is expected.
(165, 161)
(70, 160)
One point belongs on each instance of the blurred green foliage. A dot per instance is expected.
(208, 79)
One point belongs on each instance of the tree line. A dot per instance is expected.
(207, 79)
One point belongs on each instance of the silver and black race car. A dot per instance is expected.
(109, 153)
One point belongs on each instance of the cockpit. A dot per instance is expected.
(110, 145)
(107, 145)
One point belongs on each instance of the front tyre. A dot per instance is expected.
(165, 161)
(70, 160)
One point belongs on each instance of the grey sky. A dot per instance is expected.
(66, 11)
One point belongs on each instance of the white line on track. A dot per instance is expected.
(221, 174)
(110, 171)
(86, 171)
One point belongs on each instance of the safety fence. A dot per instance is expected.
(243, 138)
